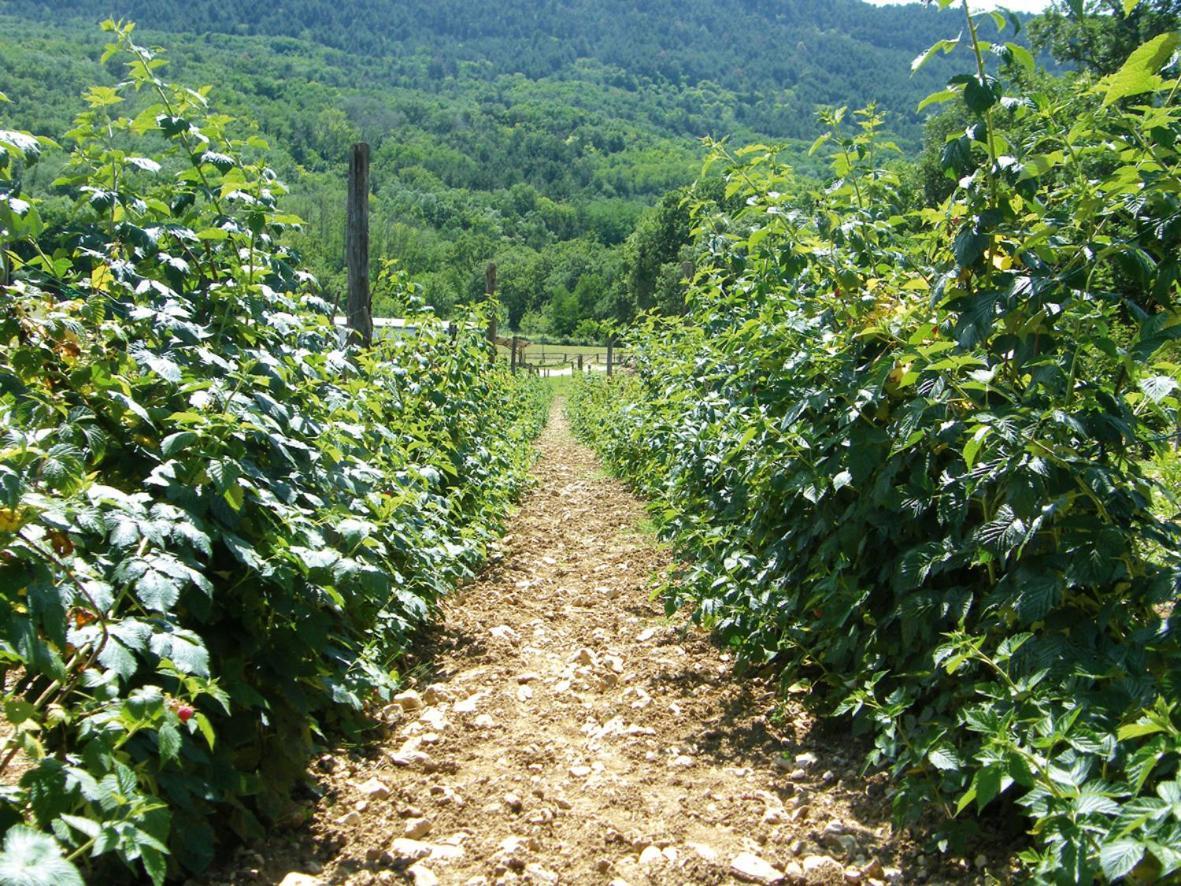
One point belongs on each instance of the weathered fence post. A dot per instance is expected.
(512, 359)
(360, 308)
(610, 350)
(580, 363)
(490, 294)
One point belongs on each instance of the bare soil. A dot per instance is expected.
(563, 730)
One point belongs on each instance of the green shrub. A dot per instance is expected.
(218, 528)
(901, 451)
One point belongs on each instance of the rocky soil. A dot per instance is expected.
(563, 730)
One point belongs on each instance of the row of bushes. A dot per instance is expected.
(900, 452)
(218, 528)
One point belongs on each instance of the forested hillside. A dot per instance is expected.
(534, 135)
(773, 62)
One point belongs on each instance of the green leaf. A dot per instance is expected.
(1158, 387)
(1139, 73)
(19, 142)
(157, 591)
(235, 496)
(174, 443)
(980, 95)
(30, 858)
(102, 96)
(937, 98)
(184, 649)
(972, 447)
(944, 46)
(168, 741)
(819, 143)
(945, 759)
(18, 710)
(1119, 857)
(87, 826)
(144, 163)
(1022, 56)
(1130, 5)
(1139, 729)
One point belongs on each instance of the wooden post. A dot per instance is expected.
(360, 308)
(610, 348)
(490, 295)
(580, 362)
(512, 360)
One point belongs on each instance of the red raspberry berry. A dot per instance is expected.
(185, 713)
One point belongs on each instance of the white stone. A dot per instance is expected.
(374, 789)
(752, 869)
(468, 705)
(806, 760)
(437, 693)
(417, 827)
(295, 878)
(774, 815)
(409, 700)
(405, 849)
(483, 721)
(818, 863)
(540, 874)
(435, 718)
(651, 855)
(410, 758)
(707, 853)
(423, 876)
(505, 633)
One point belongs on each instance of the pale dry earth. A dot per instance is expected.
(563, 730)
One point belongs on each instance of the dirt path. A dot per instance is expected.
(568, 732)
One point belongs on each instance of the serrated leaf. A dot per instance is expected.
(937, 98)
(972, 447)
(1022, 56)
(944, 46)
(174, 443)
(184, 649)
(144, 163)
(944, 759)
(86, 826)
(31, 858)
(157, 591)
(1139, 73)
(1158, 387)
(168, 741)
(1119, 857)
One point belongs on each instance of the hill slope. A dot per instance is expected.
(531, 133)
(777, 59)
